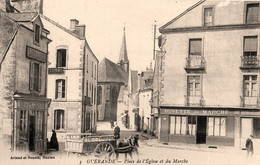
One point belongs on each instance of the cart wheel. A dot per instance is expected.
(104, 150)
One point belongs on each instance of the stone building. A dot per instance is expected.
(23, 86)
(111, 77)
(72, 79)
(209, 81)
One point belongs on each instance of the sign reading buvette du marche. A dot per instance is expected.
(195, 112)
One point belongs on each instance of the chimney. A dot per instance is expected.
(73, 24)
(80, 31)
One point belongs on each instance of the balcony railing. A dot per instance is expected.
(195, 62)
(250, 102)
(249, 62)
(194, 101)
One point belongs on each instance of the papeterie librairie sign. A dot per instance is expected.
(35, 54)
(55, 70)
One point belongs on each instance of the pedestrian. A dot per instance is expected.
(54, 141)
(249, 146)
(116, 132)
(112, 124)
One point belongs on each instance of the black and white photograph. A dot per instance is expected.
(130, 82)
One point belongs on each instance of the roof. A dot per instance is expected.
(123, 51)
(8, 30)
(108, 71)
(22, 17)
(182, 14)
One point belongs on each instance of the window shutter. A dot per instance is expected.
(31, 81)
(40, 77)
(250, 44)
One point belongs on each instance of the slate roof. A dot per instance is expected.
(123, 51)
(108, 71)
(8, 29)
(21, 17)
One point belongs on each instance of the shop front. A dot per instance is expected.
(30, 124)
(210, 126)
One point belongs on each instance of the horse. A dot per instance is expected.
(127, 146)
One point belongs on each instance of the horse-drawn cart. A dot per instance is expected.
(87, 143)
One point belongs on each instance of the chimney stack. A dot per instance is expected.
(77, 29)
(73, 24)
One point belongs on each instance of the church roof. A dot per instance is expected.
(108, 71)
(123, 51)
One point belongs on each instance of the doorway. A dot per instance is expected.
(201, 130)
(31, 133)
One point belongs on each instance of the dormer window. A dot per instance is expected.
(252, 12)
(208, 16)
(37, 33)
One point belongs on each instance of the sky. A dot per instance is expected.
(105, 19)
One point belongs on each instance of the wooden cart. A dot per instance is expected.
(87, 143)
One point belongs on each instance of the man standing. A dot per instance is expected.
(249, 146)
(116, 132)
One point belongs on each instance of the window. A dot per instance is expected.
(250, 85)
(178, 125)
(252, 12)
(59, 119)
(208, 16)
(61, 58)
(95, 71)
(95, 91)
(191, 125)
(37, 33)
(60, 89)
(99, 95)
(195, 47)
(87, 88)
(92, 69)
(217, 126)
(250, 46)
(194, 86)
(92, 94)
(87, 63)
(23, 124)
(35, 76)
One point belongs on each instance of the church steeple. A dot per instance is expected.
(123, 59)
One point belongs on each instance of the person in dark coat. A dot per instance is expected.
(116, 132)
(54, 141)
(249, 146)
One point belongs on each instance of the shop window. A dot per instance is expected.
(37, 33)
(256, 126)
(250, 46)
(194, 87)
(23, 125)
(217, 126)
(35, 76)
(250, 85)
(60, 89)
(178, 125)
(208, 16)
(59, 119)
(61, 57)
(191, 125)
(252, 13)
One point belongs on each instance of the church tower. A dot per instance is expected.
(123, 59)
(28, 5)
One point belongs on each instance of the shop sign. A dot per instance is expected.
(31, 104)
(195, 112)
(35, 54)
(55, 70)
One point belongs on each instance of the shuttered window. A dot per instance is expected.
(60, 89)
(35, 76)
(59, 119)
(252, 12)
(250, 46)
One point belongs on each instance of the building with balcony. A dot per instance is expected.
(72, 80)
(23, 86)
(207, 75)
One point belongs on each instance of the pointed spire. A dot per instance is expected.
(123, 51)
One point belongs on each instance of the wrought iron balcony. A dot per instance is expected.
(195, 62)
(194, 101)
(248, 62)
(250, 102)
